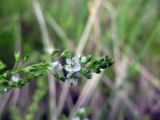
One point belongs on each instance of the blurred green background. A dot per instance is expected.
(127, 30)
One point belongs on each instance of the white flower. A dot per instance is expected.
(73, 64)
(55, 66)
(15, 78)
(5, 89)
(83, 59)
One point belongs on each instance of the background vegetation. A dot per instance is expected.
(127, 30)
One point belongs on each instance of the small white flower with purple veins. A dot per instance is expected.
(15, 78)
(73, 65)
(55, 66)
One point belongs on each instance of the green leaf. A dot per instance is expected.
(4, 83)
(17, 56)
(2, 65)
(89, 58)
(2, 89)
(63, 117)
(26, 57)
(55, 51)
(86, 73)
(65, 54)
(97, 69)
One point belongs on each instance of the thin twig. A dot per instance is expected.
(88, 27)
(48, 46)
(56, 27)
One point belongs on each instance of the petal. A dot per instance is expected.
(54, 64)
(77, 75)
(69, 75)
(77, 67)
(69, 68)
(15, 78)
(68, 61)
(57, 66)
(75, 60)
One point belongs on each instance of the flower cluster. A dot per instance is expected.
(72, 68)
(76, 67)
(65, 68)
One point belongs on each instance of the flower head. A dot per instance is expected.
(73, 64)
(55, 66)
(15, 78)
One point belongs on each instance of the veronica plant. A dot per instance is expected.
(64, 68)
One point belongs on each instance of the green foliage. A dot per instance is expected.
(15, 113)
(65, 54)
(2, 65)
(38, 95)
(17, 57)
(81, 114)
(95, 65)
